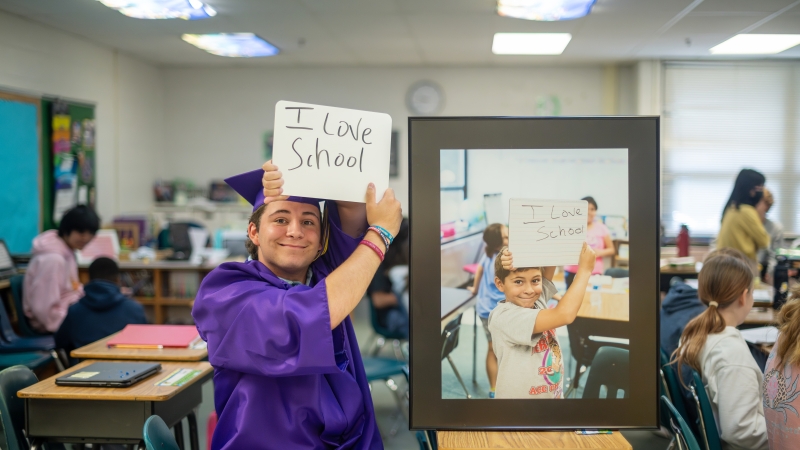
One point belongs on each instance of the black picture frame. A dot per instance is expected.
(426, 137)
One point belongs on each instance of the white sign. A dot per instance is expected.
(332, 153)
(546, 232)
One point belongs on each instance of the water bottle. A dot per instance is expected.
(683, 242)
(596, 299)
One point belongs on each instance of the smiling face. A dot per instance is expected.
(522, 286)
(288, 238)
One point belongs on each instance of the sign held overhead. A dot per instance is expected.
(332, 153)
(546, 232)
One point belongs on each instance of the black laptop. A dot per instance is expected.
(7, 267)
(109, 374)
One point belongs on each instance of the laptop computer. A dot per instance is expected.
(109, 374)
(7, 267)
(181, 244)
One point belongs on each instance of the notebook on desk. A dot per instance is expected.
(109, 374)
(155, 337)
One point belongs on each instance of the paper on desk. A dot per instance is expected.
(762, 295)
(620, 284)
(761, 335)
(179, 377)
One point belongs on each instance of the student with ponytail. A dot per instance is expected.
(712, 346)
(781, 392)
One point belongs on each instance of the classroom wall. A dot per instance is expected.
(215, 118)
(127, 94)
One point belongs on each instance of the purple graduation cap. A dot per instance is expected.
(249, 186)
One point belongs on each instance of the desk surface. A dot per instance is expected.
(145, 390)
(99, 350)
(761, 316)
(453, 299)
(614, 306)
(544, 440)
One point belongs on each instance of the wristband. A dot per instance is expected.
(385, 233)
(386, 242)
(373, 247)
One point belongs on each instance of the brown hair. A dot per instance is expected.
(722, 279)
(255, 218)
(730, 251)
(788, 351)
(768, 198)
(501, 272)
(493, 237)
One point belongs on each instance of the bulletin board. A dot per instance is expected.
(68, 158)
(19, 169)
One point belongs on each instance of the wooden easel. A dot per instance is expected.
(542, 440)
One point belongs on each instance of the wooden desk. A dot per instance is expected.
(111, 415)
(543, 440)
(455, 300)
(760, 316)
(614, 306)
(158, 273)
(99, 350)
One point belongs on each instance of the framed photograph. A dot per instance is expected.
(487, 360)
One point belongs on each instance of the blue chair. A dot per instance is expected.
(33, 352)
(705, 416)
(681, 432)
(383, 369)
(610, 368)
(157, 436)
(12, 408)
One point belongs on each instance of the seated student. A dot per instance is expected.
(712, 346)
(781, 393)
(523, 329)
(288, 373)
(387, 292)
(51, 282)
(101, 312)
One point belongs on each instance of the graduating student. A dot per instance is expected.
(287, 368)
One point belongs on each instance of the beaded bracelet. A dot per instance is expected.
(373, 247)
(385, 233)
(384, 238)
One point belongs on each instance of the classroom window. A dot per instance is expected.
(452, 182)
(718, 119)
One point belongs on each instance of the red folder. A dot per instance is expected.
(154, 336)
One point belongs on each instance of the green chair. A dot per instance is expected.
(12, 408)
(682, 434)
(673, 385)
(427, 440)
(157, 436)
(610, 368)
(705, 416)
(383, 369)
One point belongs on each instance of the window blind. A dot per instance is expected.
(718, 119)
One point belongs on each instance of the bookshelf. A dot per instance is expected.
(160, 284)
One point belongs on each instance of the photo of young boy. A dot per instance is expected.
(523, 328)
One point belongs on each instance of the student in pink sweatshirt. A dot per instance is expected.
(51, 280)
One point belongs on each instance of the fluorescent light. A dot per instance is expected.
(544, 10)
(237, 45)
(756, 44)
(162, 9)
(530, 43)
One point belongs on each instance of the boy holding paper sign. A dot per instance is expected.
(523, 329)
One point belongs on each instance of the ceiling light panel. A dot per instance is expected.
(162, 9)
(235, 45)
(544, 10)
(756, 44)
(530, 43)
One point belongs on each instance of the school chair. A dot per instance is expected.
(610, 368)
(617, 272)
(427, 440)
(12, 408)
(673, 386)
(157, 436)
(383, 369)
(22, 321)
(706, 424)
(382, 335)
(11, 343)
(449, 343)
(684, 438)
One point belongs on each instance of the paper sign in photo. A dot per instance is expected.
(546, 232)
(329, 152)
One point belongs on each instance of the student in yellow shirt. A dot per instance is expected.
(741, 225)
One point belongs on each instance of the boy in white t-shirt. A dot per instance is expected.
(523, 329)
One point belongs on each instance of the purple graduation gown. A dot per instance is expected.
(282, 378)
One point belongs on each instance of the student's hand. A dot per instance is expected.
(587, 259)
(473, 290)
(386, 213)
(272, 182)
(507, 260)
